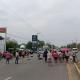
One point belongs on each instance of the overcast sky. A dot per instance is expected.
(56, 21)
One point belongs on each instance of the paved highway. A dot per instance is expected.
(32, 70)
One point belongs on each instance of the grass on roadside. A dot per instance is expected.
(0, 58)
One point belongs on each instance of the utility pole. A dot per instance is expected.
(5, 41)
(37, 41)
(76, 43)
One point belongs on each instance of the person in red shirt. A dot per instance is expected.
(7, 57)
(55, 56)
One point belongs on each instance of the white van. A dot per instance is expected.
(75, 50)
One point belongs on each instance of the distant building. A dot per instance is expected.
(2, 44)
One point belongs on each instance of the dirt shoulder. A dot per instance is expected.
(72, 72)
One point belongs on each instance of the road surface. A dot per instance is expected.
(33, 70)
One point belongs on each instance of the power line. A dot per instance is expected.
(19, 37)
(24, 20)
(20, 17)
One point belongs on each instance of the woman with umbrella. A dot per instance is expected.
(8, 57)
(65, 52)
(55, 56)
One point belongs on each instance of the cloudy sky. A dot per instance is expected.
(55, 21)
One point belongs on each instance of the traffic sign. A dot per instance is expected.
(34, 37)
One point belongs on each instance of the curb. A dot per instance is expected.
(77, 69)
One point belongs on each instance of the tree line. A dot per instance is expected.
(13, 44)
(72, 45)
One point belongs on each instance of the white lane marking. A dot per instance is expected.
(8, 78)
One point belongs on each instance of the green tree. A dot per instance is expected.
(11, 45)
(69, 46)
(41, 44)
(78, 46)
(29, 45)
(72, 45)
(50, 45)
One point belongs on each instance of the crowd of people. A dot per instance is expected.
(8, 56)
(59, 56)
(48, 56)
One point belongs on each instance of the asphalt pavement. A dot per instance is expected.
(32, 69)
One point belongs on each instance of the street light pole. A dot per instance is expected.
(76, 43)
(5, 41)
(37, 40)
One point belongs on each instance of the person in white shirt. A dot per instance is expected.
(17, 57)
(49, 57)
(60, 54)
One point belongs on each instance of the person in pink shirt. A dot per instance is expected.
(7, 57)
(55, 56)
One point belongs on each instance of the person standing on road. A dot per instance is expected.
(23, 54)
(7, 57)
(67, 56)
(55, 56)
(74, 57)
(45, 55)
(17, 57)
(60, 54)
(49, 58)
